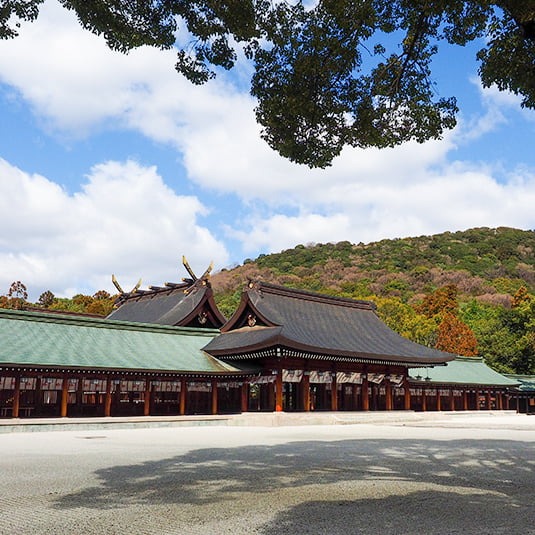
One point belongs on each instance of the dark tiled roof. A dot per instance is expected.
(316, 323)
(46, 340)
(178, 304)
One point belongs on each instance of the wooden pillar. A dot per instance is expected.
(507, 400)
(407, 396)
(488, 400)
(477, 400)
(465, 400)
(16, 397)
(365, 394)
(183, 392)
(388, 395)
(244, 397)
(355, 397)
(146, 404)
(499, 401)
(278, 391)
(107, 397)
(424, 400)
(214, 396)
(334, 393)
(64, 396)
(38, 403)
(439, 406)
(305, 386)
(452, 400)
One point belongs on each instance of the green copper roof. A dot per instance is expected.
(527, 382)
(36, 338)
(465, 371)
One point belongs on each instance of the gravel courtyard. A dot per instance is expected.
(462, 477)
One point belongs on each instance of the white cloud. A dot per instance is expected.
(125, 220)
(125, 215)
(456, 197)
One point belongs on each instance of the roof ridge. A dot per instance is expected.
(266, 287)
(103, 323)
(168, 287)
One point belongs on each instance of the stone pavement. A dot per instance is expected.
(262, 419)
(461, 474)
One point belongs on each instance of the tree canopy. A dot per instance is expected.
(339, 73)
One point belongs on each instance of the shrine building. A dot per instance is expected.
(168, 350)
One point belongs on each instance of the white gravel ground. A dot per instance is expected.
(468, 476)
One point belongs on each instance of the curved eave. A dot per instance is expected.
(276, 339)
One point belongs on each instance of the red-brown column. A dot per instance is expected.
(64, 396)
(477, 400)
(452, 400)
(424, 400)
(16, 397)
(334, 393)
(278, 391)
(439, 407)
(183, 392)
(305, 385)
(499, 401)
(245, 397)
(388, 395)
(107, 398)
(38, 396)
(214, 396)
(407, 396)
(488, 400)
(365, 394)
(465, 400)
(146, 404)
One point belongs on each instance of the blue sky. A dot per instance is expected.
(115, 164)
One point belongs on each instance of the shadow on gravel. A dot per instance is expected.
(419, 513)
(490, 485)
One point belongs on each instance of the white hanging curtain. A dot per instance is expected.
(51, 383)
(166, 386)
(28, 383)
(348, 377)
(321, 377)
(197, 386)
(132, 386)
(230, 384)
(73, 384)
(94, 385)
(7, 383)
(376, 377)
(292, 376)
(263, 379)
(396, 380)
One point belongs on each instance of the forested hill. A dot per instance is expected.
(484, 279)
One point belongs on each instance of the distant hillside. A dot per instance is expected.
(486, 268)
(482, 262)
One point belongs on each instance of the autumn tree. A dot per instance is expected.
(100, 303)
(455, 336)
(327, 74)
(46, 299)
(15, 297)
(521, 296)
(442, 301)
(403, 319)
